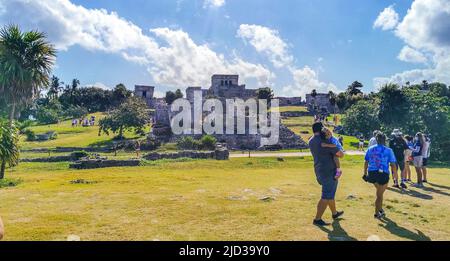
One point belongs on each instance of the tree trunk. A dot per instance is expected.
(12, 114)
(11, 119)
(121, 132)
(2, 170)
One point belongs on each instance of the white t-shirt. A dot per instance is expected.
(372, 142)
(425, 149)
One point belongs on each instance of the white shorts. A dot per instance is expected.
(418, 161)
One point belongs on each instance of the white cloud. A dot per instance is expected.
(267, 41)
(180, 63)
(99, 85)
(387, 19)
(213, 3)
(426, 29)
(412, 76)
(408, 54)
(306, 80)
(183, 62)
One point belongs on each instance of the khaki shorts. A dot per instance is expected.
(418, 161)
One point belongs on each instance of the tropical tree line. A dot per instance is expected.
(411, 108)
(63, 101)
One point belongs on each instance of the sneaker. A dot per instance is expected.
(380, 214)
(338, 214)
(425, 181)
(320, 223)
(403, 185)
(396, 186)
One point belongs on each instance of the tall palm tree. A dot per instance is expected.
(26, 60)
(54, 89)
(9, 150)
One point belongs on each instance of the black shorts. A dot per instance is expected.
(378, 178)
(425, 162)
(401, 165)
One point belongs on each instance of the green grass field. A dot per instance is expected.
(69, 136)
(212, 200)
(206, 199)
(302, 126)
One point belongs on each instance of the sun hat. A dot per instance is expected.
(396, 132)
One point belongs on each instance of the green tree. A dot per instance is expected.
(120, 94)
(26, 60)
(265, 93)
(355, 88)
(9, 150)
(54, 89)
(394, 105)
(341, 101)
(362, 118)
(439, 89)
(429, 114)
(132, 114)
(172, 96)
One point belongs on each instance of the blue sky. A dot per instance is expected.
(329, 42)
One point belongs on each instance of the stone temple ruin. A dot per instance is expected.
(222, 87)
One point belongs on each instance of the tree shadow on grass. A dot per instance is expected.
(412, 193)
(337, 233)
(395, 229)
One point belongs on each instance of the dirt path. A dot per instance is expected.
(283, 154)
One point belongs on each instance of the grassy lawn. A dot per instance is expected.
(293, 108)
(69, 136)
(302, 126)
(212, 200)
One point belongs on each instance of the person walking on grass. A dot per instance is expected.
(398, 145)
(417, 155)
(373, 140)
(425, 155)
(376, 170)
(325, 170)
(361, 143)
(408, 156)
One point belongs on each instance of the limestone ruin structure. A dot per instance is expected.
(222, 87)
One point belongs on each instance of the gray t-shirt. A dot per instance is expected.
(324, 164)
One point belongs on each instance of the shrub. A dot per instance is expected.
(188, 143)
(76, 112)
(52, 135)
(150, 144)
(47, 116)
(5, 183)
(77, 155)
(208, 142)
(31, 135)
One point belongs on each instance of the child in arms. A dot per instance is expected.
(332, 142)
